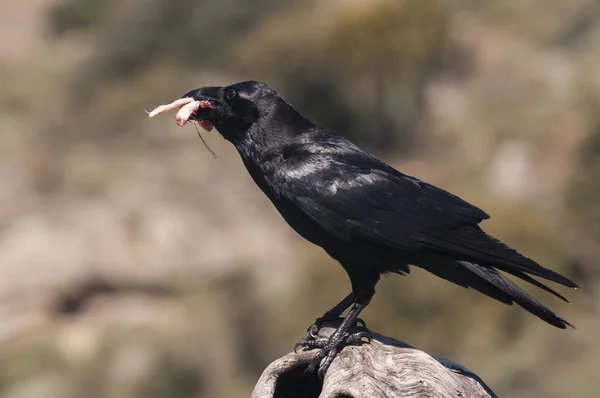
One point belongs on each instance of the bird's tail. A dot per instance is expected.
(492, 283)
(480, 248)
(513, 293)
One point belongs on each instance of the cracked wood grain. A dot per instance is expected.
(385, 368)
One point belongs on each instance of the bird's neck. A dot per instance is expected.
(263, 143)
(261, 151)
(261, 163)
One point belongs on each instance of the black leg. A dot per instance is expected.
(339, 338)
(338, 310)
(363, 281)
(331, 315)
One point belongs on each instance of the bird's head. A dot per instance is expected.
(233, 109)
(237, 110)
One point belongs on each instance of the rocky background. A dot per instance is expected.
(134, 264)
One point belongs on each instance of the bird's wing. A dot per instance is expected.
(355, 196)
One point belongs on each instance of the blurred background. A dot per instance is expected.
(134, 264)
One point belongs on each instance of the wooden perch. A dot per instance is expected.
(385, 368)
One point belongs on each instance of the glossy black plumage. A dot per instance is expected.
(370, 217)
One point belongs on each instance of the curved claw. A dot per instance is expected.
(311, 335)
(302, 343)
(357, 338)
(329, 350)
(363, 324)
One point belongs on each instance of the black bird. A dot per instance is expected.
(365, 214)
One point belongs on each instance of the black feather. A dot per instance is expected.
(518, 295)
(370, 217)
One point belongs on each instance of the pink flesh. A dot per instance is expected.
(205, 125)
(188, 107)
(159, 110)
(185, 112)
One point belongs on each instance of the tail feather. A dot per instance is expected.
(517, 295)
(452, 271)
(479, 247)
(537, 283)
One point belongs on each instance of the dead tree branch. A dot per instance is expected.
(385, 368)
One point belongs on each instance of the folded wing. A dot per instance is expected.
(354, 196)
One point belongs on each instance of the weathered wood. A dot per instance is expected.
(385, 368)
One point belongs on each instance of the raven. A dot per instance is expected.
(365, 214)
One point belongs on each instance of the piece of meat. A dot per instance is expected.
(159, 110)
(185, 112)
(188, 107)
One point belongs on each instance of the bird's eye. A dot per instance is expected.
(230, 94)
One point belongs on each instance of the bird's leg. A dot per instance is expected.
(338, 339)
(331, 315)
(336, 312)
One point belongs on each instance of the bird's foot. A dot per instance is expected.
(311, 335)
(313, 331)
(360, 324)
(330, 348)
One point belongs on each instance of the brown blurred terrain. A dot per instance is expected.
(133, 264)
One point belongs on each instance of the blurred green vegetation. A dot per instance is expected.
(493, 101)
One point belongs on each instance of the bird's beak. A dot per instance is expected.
(210, 107)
